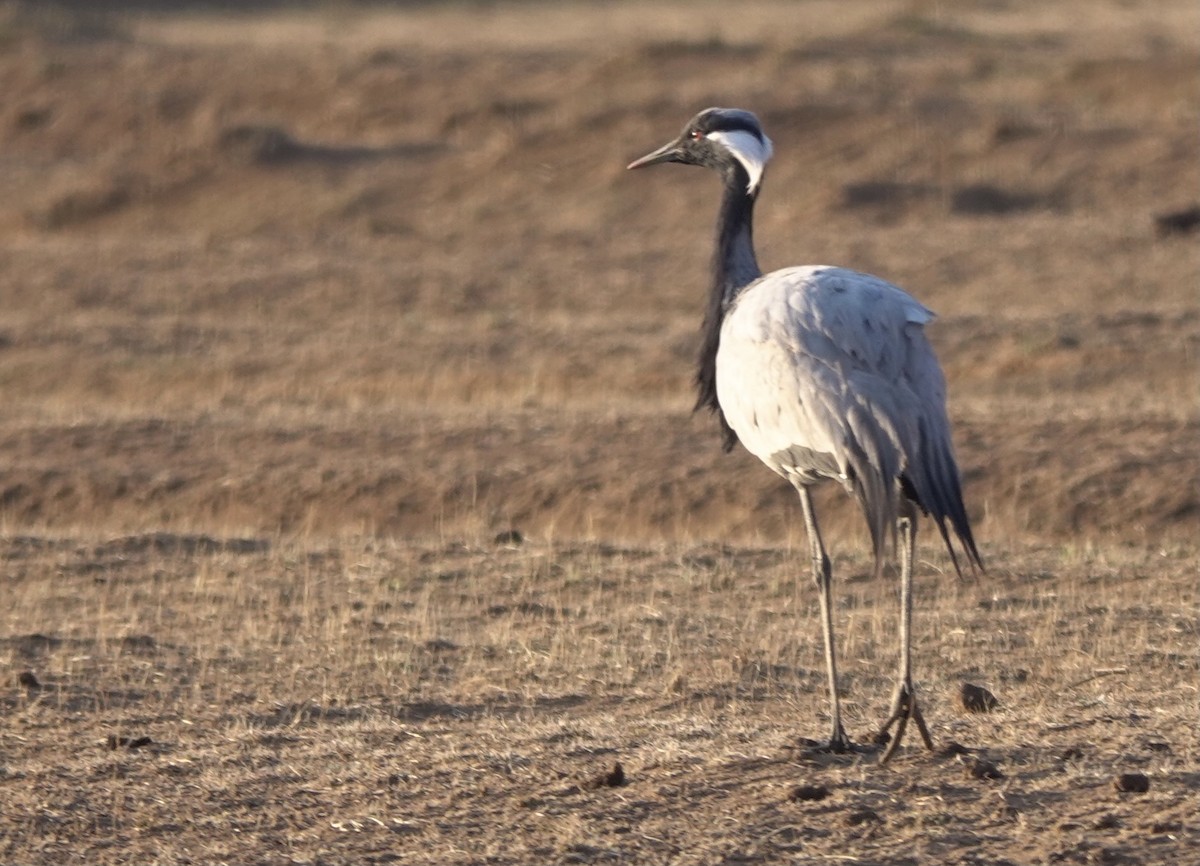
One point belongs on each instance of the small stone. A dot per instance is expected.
(29, 680)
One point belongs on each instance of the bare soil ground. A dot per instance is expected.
(301, 309)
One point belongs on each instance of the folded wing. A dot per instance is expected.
(827, 373)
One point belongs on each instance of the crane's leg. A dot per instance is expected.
(904, 700)
(822, 574)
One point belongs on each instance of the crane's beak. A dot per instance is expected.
(666, 153)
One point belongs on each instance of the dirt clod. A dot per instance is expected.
(261, 144)
(953, 749)
(1132, 783)
(808, 793)
(983, 769)
(614, 778)
(981, 199)
(1008, 812)
(1166, 827)
(29, 680)
(977, 699)
(1182, 221)
(90, 200)
(858, 817)
(116, 741)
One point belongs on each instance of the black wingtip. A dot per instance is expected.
(962, 529)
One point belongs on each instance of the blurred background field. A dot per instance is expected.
(303, 305)
(380, 270)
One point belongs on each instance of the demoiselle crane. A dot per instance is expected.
(824, 373)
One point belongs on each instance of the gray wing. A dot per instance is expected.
(827, 373)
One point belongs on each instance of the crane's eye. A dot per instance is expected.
(696, 135)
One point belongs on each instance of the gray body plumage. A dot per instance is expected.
(826, 374)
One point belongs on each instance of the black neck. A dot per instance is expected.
(734, 267)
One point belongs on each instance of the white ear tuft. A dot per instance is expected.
(751, 151)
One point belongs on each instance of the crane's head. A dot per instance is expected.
(725, 139)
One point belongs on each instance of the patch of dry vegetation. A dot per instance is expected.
(195, 699)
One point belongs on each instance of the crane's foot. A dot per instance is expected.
(837, 744)
(904, 707)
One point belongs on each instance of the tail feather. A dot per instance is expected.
(935, 487)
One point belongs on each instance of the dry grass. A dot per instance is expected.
(376, 700)
(280, 360)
